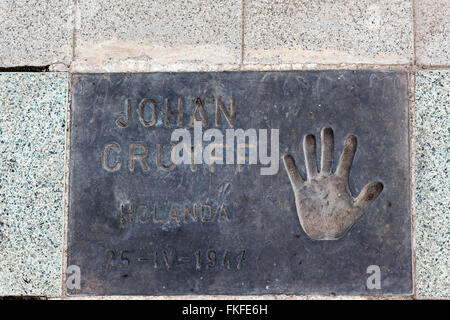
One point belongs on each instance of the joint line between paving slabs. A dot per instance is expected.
(74, 28)
(242, 32)
(66, 187)
(411, 123)
(413, 3)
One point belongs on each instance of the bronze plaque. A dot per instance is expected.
(240, 183)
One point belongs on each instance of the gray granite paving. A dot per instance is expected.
(432, 125)
(433, 32)
(328, 32)
(157, 35)
(35, 33)
(32, 152)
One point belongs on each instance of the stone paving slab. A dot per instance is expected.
(432, 162)
(32, 151)
(433, 32)
(140, 225)
(328, 32)
(35, 33)
(157, 35)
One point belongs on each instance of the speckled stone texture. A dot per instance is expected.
(432, 183)
(138, 35)
(32, 153)
(328, 32)
(433, 32)
(35, 33)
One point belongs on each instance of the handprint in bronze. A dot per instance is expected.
(325, 205)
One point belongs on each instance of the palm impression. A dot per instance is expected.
(325, 206)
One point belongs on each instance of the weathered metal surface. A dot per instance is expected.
(247, 237)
